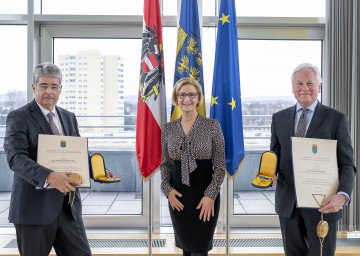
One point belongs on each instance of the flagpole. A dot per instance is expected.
(150, 220)
(227, 217)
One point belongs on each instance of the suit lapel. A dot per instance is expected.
(289, 125)
(316, 120)
(39, 117)
(292, 113)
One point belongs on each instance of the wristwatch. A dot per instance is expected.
(347, 200)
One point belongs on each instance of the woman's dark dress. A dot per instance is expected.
(194, 165)
(191, 233)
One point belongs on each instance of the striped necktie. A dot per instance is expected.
(301, 127)
(53, 127)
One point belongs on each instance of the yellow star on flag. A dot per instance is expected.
(224, 18)
(214, 100)
(232, 104)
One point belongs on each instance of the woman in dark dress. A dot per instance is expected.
(192, 171)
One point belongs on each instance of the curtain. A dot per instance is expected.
(342, 68)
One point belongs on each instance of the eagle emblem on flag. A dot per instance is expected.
(152, 65)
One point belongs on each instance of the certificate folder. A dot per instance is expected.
(267, 170)
(65, 154)
(99, 171)
(315, 170)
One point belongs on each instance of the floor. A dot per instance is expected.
(171, 249)
(118, 203)
(128, 203)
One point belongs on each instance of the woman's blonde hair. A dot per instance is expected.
(183, 81)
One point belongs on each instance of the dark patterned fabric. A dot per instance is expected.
(204, 141)
(301, 127)
(53, 127)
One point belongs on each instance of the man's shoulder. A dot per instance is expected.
(21, 110)
(284, 111)
(330, 110)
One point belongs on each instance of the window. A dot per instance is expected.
(93, 7)
(13, 84)
(13, 7)
(280, 8)
(265, 71)
(99, 121)
(268, 51)
(13, 80)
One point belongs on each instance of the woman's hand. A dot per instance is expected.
(274, 178)
(109, 174)
(173, 201)
(207, 208)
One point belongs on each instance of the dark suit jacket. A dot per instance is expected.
(327, 123)
(29, 205)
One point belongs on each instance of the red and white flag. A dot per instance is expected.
(151, 112)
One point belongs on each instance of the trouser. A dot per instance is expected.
(66, 235)
(300, 237)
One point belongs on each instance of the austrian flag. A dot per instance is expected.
(151, 112)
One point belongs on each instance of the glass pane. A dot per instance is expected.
(13, 84)
(169, 7)
(281, 8)
(13, 7)
(258, 8)
(100, 86)
(95, 7)
(265, 72)
(208, 7)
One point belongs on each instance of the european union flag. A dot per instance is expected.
(188, 61)
(225, 96)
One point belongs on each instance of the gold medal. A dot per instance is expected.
(78, 178)
(322, 228)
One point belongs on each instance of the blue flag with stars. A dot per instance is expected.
(188, 61)
(225, 96)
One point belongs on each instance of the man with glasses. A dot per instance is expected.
(43, 218)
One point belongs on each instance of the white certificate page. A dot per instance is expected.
(315, 170)
(65, 154)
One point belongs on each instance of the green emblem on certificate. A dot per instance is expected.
(314, 148)
(63, 143)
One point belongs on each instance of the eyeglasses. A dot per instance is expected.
(44, 87)
(191, 95)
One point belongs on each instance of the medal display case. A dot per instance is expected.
(98, 170)
(267, 169)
